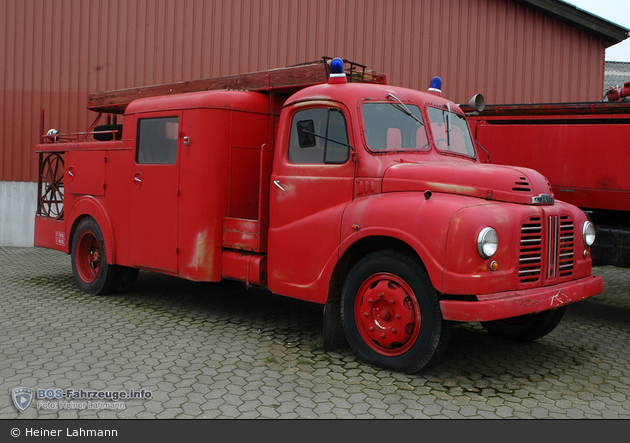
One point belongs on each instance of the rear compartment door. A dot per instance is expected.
(155, 181)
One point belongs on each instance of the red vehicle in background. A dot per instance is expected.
(324, 184)
(582, 148)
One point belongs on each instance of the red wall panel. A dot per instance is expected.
(55, 52)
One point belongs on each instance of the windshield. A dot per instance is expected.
(388, 127)
(450, 132)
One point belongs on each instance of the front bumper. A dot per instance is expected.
(515, 303)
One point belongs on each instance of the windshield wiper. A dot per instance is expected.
(448, 126)
(404, 109)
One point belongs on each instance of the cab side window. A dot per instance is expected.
(328, 133)
(157, 140)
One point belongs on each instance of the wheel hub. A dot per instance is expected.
(387, 314)
(88, 257)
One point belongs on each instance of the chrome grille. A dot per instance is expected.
(552, 247)
(555, 250)
(566, 247)
(530, 254)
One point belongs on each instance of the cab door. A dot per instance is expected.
(311, 185)
(154, 211)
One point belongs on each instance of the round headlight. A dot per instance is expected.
(487, 242)
(588, 233)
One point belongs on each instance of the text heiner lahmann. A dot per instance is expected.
(32, 432)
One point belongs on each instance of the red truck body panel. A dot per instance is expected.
(169, 217)
(580, 148)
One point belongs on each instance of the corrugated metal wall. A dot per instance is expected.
(54, 52)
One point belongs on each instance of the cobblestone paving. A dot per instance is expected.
(225, 351)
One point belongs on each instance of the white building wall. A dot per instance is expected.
(18, 203)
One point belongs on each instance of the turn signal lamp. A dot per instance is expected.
(337, 74)
(436, 86)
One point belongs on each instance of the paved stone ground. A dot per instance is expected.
(224, 351)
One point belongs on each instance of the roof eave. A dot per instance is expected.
(609, 32)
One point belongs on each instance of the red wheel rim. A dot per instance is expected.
(88, 257)
(387, 314)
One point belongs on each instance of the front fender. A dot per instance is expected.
(409, 217)
(466, 273)
(90, 206)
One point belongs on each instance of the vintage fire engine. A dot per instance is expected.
(323, 183)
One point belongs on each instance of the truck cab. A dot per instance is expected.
(366, 198)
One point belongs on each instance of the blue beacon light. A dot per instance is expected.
(336, 67)
(337, 74)
(436, 85)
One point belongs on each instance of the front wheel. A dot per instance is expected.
(391, 313)
(526, 327)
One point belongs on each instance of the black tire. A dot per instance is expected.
(89, 259)
(527, 327)
(391, 313)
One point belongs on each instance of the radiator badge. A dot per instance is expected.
(542, 199)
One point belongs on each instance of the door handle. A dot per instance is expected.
(277, 183)
(137, 180)
(186, 141)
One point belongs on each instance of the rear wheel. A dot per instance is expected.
(89, 259)
(526, 327)
(391, 313)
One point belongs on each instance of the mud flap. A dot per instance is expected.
(334, 336)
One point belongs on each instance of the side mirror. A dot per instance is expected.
(306, 133)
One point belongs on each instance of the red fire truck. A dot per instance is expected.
(323, 183)
(581, 148)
